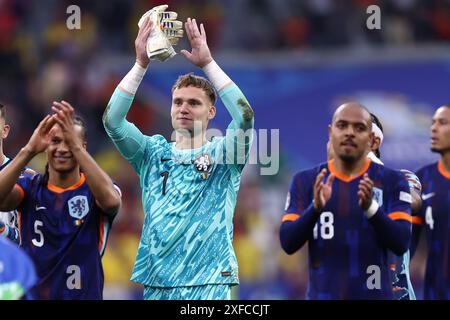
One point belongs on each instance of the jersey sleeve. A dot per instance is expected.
(105, 223)
(413, 180)
(300, 216)
(398, 206)
(23, 184)
(127, 138)
(10, 232)
(239, 134)
(297, 200)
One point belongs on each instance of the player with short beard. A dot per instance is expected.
(351, 211)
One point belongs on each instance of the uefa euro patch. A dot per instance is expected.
(78, 207)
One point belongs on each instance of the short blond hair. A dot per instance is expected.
(191, 80)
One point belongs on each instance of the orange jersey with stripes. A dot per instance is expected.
(65, 233)
(347, 257)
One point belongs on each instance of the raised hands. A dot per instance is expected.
(64, 114)
(40, 139)
(365, 192)
(322, 191)
(140, 43)
(200, 54)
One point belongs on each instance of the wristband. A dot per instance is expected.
(216, 75)
(132, 80)
(373, 208)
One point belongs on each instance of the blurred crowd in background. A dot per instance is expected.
(41, 60)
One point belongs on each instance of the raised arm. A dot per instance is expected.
(10, 196)
(231, 96)
(106, 195)
(128, 139)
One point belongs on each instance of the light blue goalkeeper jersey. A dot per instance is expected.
(188, 230)
(188, 198)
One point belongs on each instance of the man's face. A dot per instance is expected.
(350, 133)
(59, 156)
(440, 130)
(191, 107)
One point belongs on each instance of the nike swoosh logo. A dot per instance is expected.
(40, 208)
(427, 196)
(182, 163)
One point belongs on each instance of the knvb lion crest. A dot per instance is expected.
(203, 164)
(78, 207)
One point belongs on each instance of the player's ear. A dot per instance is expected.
(374, 142)
(212, 112)
(5, 131)
(329, 131)
(330, 151)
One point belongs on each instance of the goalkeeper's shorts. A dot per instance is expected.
(205, 292)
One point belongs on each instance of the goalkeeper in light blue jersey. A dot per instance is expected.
(189, 187)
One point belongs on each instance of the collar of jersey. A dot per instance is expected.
(188, 153)
(56, 189)
(344, 177)
(442, 170)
